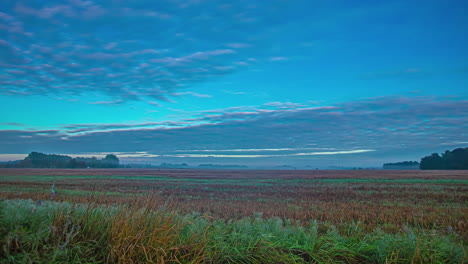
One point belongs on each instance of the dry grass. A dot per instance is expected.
(387, 199)
(390, 200)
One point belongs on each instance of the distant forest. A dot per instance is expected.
(41, 160)
(456, 159)
(405, 165)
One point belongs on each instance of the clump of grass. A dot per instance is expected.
(146, 236)
(70, 233)
(60, 232)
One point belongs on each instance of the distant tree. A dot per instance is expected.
(432, 162)
(110, 161)
(76, 164)
(92, 162)
(26, 163)
(111, 157)
(458, 159)
(404, 165)
(449, 160)
(41, 160)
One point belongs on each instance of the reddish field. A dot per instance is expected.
(282, 174)
(387, 199)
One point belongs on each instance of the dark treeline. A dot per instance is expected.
(456, 159)
(408, 165)
(404, 163)
(41, 160)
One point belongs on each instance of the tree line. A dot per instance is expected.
(404, 165)
(41, 160)
(456, 159)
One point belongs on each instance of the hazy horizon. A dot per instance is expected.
(127, 158)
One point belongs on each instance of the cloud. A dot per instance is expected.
(333, 152)
(374, 129)
(85, 128)
(238, 45)
(154, 103)
(233, 92)
(255, 150)
(278, 58)
(12, 124)
(284, 105)
(115, 102)
(194, 94)
(270, 156)
(127, 50)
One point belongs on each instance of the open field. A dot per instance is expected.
(359, 216)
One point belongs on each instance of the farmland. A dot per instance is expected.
(238, 216)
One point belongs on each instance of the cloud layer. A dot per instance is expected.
(128, 50)
(380, 128)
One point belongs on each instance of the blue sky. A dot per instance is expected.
(261, 83)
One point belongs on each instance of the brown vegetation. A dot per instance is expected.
(391, 200)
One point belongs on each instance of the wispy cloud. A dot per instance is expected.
(270, 156)
(124, 51)
(376, 128)
(115, 102)
(154, 103)
(278, 58)
(12, 124)
(194, 94)
(86, 128)
(238, 45)
(284, 105)
(233, 92)
(253, 150)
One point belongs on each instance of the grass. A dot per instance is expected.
(85, 233)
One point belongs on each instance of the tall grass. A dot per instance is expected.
(87, 233)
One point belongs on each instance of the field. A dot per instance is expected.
(238, 216)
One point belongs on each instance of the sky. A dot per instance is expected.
(257, 83)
